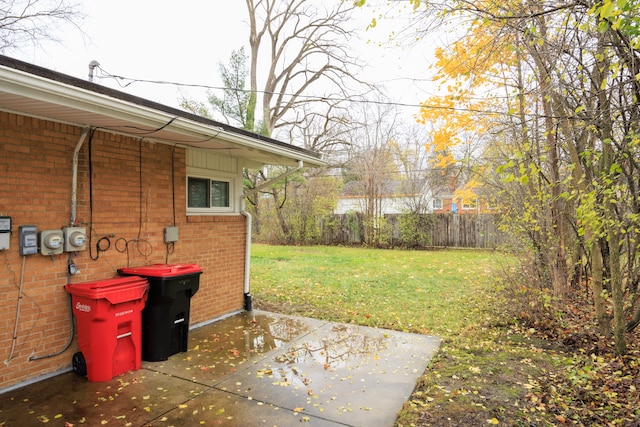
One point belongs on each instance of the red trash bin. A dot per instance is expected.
(109, 323)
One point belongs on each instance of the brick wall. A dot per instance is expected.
(129, 191)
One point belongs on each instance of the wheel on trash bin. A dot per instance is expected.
(79, 364)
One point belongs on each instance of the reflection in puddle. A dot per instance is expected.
(265, 333)
(222, 348)
(345, 346)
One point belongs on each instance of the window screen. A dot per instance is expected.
(198, 195)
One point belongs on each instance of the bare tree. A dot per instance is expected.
(31, 21)
(302, 68)
(372, 162)
(417, 178)
(296, 46)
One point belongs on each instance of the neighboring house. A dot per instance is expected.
(448, 203)
(123, 168)
(450, 197)
(396, 200)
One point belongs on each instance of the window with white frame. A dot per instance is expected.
(469, 204)
(437, 203)
(209, 194)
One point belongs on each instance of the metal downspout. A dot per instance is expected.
(247, 256)
(248, 302)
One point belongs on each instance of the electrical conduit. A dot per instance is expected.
(74, 203)
(74, 178)
(15, 328)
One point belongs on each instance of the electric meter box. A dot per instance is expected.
(51, 242)
(5, 232)
(28, 239)
(75, 239)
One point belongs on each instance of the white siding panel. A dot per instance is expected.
(203, 159)
(389, 205)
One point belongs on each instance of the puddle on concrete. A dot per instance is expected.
(339, 349)
(264, 333)
(344, 346)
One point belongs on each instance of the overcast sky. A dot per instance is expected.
(183, 41)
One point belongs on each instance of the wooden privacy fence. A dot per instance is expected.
(436, 230)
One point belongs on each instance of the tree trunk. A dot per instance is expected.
(254, 43)
(635, 320)
(610, 215)
(617, 294)
(557, 252)
(597, 286)
(278, 206)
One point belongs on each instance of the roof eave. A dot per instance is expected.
(107, 103)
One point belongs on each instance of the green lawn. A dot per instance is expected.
(434, 292)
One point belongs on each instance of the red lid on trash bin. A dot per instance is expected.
(116, 289)
(162, 270)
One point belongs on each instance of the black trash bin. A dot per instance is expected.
(165, 317)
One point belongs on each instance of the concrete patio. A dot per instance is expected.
(253, 368)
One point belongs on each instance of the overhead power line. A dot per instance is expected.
(124, 82)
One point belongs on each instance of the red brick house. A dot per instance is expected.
(450, 197)
(123, 169)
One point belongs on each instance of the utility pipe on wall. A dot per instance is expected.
(74, 198)
(243, 211)
(74, 178)
(92, 65)
(247, 256)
